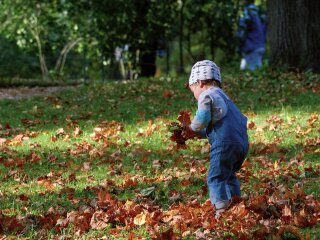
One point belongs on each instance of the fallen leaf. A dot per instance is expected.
(140, 219)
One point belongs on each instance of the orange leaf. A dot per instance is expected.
(184, 118)
(167, 94)
(48, 184)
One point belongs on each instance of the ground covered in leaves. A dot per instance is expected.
(97, 162)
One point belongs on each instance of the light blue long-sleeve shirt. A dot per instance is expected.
(211, 109)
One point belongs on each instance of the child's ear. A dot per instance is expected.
(201, 84)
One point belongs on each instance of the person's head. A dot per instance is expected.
(204, 74)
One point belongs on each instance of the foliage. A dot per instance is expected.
(12, 56)
(92, 30)
(49, 29)
(97, 162)
(215, 22)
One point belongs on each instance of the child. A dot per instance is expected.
(218, 119)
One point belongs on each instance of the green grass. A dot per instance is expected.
(282, 106)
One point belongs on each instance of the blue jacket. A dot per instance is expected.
(251, 31)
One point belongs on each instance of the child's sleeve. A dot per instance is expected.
(203, 114)
(219, 108)
(210, 110)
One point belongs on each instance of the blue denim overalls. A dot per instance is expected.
(229, 145)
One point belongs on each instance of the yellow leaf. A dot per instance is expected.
(287, 211)
(276, 165)
(140, 219)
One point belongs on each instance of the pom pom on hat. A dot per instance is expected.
(204, 70)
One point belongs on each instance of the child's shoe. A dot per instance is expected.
(221, 210)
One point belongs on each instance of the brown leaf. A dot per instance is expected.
(62, 223)
(239, 210)
(29, 122)
(168, 235)
(97, 221)
(17, 139)
(251, 125)
(9, 162)
(10, 223)
(23, 197)
(184, 118)
(48, 184)
(72, 177)
(82, 224)
(312, 119)
(131, 182)
(167, 94)
(54, 139)
(258, 204)
(178, 138)
(34, 157)
(289, 229)
(131, 236)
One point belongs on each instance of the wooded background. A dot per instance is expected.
(78, 39)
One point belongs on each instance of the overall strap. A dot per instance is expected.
(231, 108)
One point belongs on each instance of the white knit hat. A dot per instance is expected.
(204, 70)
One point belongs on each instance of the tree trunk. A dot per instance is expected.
(168, 59)
(42, 60)
(294, 28)
(313, 35)
(63, 56)
(34, 29)
(148, 61)
(181, 67)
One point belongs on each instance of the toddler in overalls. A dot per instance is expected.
(218, 119)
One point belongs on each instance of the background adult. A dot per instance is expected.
(252, 37)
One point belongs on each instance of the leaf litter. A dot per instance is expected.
(270, 208)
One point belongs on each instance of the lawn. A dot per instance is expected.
(96, 162)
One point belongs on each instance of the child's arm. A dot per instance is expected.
(201, 120)
(188, 133)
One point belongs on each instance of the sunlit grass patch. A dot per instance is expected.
(59, 153)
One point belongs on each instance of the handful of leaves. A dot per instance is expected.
(176, 128)
(176, 133)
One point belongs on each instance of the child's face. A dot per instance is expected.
(196, 89)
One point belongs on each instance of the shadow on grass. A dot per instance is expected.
(135, 102)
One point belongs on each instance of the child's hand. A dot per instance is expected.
(188, 133)
(176, 133)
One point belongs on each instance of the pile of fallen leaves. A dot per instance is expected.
(274, 212)
(127, 203)
(259, 216)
